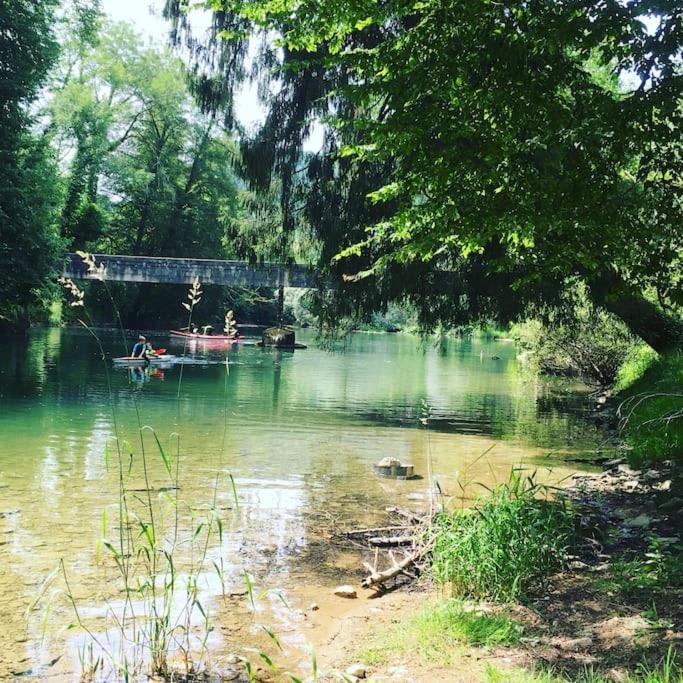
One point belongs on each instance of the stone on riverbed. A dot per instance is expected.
(639, 522)
(576, 644)
(345, 591)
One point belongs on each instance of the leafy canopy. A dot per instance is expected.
(539, 140)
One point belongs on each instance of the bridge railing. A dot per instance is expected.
(120, 268)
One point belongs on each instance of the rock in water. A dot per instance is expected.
(345, 592)
(639, 522)
(394, 468)
(389, 462)
(281, 337)
(357, 671)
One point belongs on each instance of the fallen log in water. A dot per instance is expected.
(376, 530)
(390, 541)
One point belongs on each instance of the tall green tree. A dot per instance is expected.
(478, 157)
(28, 239)
(145, 172)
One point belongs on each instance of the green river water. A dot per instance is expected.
(299, 431)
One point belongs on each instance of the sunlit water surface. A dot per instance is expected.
(299, 431)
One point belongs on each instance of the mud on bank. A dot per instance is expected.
(617, 606)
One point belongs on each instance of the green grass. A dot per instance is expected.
(667, 671)
(638, 360)
(652, 412)
(658, 570)
(505, 545)
(435, 632)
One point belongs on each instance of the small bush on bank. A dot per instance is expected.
(651, 412)
(507, 544)
(590, 343)
(637, 361)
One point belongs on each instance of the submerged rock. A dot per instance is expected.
(345, 591)
(639, 522)
(394, 468)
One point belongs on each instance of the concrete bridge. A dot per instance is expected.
(184, 271)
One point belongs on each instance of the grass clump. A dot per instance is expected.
(506, 544)
(434, 632)
(667, 671)
(659, 570)
(652, 412)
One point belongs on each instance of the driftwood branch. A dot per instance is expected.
(376, 578)
(406, 514)
(376, 530)
(390, 541)
(404, 543)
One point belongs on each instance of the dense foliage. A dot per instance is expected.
(589, 342)
(104, 149)
(651, 412)
(28, 235)
(144, 172)
(478, 157)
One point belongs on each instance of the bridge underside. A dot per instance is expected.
(185, 270)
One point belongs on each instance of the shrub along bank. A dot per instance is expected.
(506, 544)
(650, 410)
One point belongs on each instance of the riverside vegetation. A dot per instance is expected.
(536, 177)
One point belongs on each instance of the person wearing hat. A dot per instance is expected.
(140, 348)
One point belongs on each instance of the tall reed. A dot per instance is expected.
(161, 626)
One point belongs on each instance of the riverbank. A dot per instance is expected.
(617, 606)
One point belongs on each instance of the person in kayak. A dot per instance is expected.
(149, 350)
(140, 348)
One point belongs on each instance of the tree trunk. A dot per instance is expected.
(644, 319)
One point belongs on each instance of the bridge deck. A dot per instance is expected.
(184, 270)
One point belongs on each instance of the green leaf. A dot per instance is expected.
(162, 452)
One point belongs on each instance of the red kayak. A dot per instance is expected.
(207, 337)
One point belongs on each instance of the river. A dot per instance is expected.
(299, 433)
